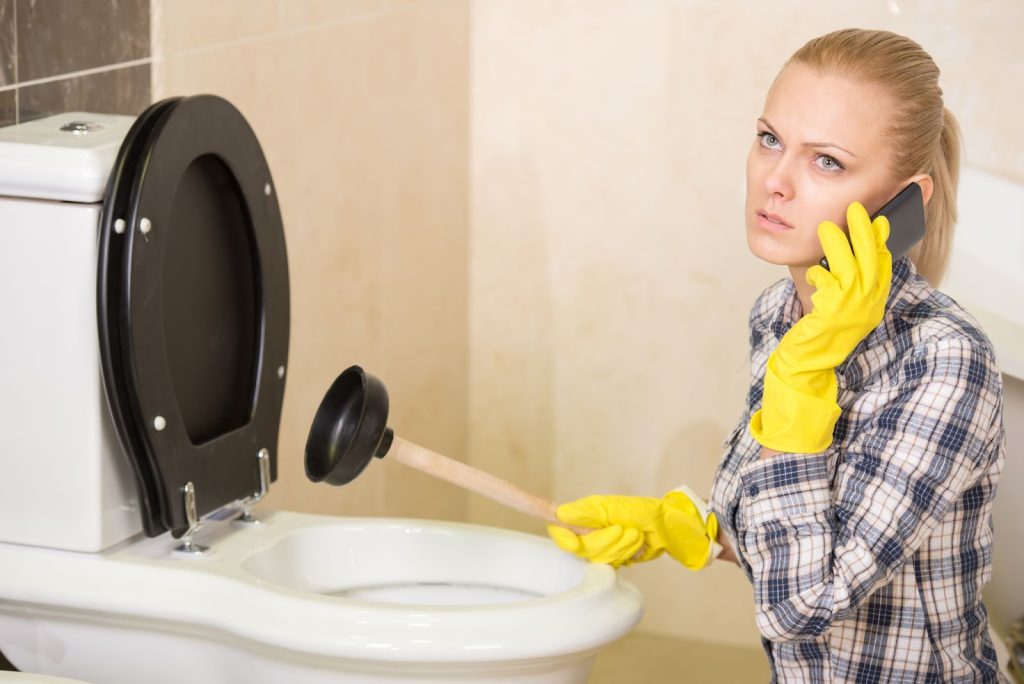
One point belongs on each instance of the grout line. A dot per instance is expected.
(154, 58)
(78, 74)
(290, 32)
(280, 17)
(156, 47)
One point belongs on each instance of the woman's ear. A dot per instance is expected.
(927, 186)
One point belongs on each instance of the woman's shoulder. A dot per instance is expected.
(933, 318)
(930, 358)
(927, 332)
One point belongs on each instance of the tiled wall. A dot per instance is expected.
(68, 55)
(361, 108)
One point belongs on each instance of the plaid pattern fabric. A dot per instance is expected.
(868, 560)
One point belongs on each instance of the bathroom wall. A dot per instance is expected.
(46, 65)
(609, 275)
(362, 110)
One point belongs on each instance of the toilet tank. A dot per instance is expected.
(64, 481)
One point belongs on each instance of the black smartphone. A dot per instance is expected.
(905, 212)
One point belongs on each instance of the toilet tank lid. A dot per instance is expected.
(64, 157)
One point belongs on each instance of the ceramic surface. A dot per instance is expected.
(304, 595)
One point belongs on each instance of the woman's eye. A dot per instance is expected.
(768, 139)
(828, 163)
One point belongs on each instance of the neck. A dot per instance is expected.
(804, 290)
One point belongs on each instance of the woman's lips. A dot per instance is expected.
(772, 222)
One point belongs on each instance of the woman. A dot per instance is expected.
(856, 491)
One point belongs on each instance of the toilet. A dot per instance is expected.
(145, 311)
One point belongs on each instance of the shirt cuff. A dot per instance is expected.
(785, 486)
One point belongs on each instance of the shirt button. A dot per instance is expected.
(752, 491)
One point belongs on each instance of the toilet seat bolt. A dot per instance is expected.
(247, 518)
(187, 545)
(159, 423)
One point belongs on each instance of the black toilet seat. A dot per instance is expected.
(193, 307)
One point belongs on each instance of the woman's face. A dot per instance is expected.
(819, 146)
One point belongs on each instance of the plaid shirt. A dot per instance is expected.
(868, 560)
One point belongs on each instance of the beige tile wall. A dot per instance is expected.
(362, 110)
(609, 275)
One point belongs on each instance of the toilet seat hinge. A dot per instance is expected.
(188, 545)
(247, 518)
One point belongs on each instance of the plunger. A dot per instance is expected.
(350, 430)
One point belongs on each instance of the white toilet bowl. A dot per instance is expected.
(304, 598)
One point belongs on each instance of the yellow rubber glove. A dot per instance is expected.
(799, 410)
(633, 529)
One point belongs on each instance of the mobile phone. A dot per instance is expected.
(905, 212)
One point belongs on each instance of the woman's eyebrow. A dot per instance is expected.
(806, 144)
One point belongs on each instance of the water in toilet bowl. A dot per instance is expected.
(437, 594)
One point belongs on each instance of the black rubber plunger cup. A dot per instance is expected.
(349, 428)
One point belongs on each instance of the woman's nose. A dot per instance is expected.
(778, 180)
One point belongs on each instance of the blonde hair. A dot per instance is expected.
(925, 134)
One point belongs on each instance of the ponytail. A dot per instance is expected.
(931, 256)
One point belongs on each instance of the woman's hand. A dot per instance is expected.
(799, 410)
(632, 529)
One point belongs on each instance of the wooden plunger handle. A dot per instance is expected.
(478, 481)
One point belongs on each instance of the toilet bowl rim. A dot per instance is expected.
(575, 620)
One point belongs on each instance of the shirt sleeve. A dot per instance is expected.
(817, 552)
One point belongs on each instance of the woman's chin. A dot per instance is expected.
(768, 248)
